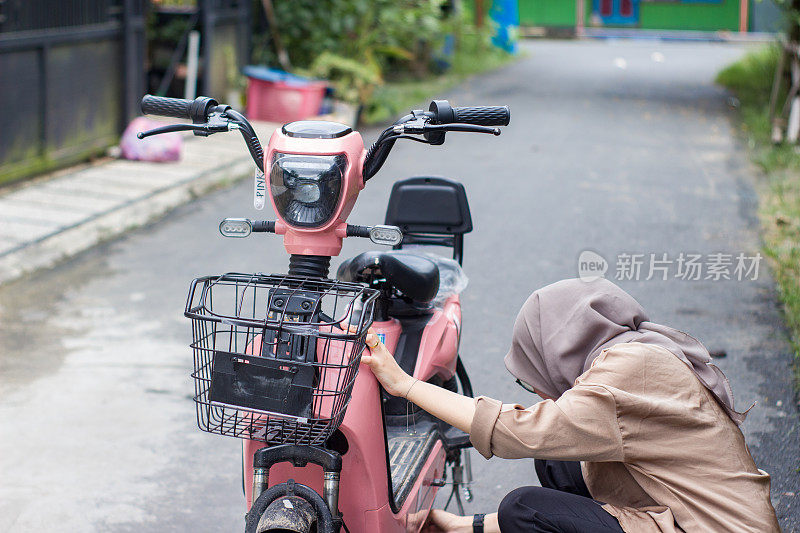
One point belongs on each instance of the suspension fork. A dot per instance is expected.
(300, 456)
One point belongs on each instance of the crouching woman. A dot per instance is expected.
(637, 432)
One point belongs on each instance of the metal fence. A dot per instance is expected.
(27, 15)
(72, 71)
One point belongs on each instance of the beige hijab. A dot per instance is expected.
(563, 327)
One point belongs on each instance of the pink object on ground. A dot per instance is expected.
(158, 148)
(278, 101)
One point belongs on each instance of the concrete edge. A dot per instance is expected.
(58, 247)
(590, 32)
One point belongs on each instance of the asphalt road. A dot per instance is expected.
(614, 147)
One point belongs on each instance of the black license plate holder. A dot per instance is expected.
(262, 384)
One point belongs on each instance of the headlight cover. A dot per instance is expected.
(306, 188)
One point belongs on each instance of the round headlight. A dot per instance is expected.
(306, 188)
(307, 193)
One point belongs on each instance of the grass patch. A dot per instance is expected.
(397, 96)
(779, 208)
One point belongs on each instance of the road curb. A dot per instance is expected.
(30, 245)
(64, 243)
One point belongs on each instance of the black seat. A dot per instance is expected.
(415, 276)
(431, 211)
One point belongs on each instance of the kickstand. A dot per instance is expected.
(458, 500)
(455, 493)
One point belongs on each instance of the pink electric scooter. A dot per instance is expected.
(276, 357)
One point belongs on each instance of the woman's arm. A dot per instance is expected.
(453, 408)
(580, 426)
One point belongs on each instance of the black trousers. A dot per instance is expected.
(561, 505)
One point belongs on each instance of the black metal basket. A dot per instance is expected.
(275, 357)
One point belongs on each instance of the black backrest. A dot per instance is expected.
(430, 210)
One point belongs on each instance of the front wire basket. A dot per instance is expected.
(275, 357)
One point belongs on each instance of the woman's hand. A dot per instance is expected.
(443, 522)
(440, 521)
(453, 408)
(383, 365)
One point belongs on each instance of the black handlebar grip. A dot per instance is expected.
(483, 115)
(358, 231)
(196, 109)
(263, 226)
(166, 107)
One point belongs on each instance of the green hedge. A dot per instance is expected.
(779, 210)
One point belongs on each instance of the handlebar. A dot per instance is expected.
(198, 110)
(433, 124)
(166, 107)
(443, 113)
(483, 115)
(210, 117)
(209, 114)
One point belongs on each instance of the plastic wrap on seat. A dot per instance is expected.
(452, 279)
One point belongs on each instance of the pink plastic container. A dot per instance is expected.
(278, 101)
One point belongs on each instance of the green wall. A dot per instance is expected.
(653, 15)
(689, 16)
(547, 12)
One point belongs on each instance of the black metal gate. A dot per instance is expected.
(71, 75)
(224, 27)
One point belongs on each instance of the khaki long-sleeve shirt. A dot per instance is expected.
(656, 447)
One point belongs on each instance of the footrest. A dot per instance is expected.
(455, 439)
(408, 450)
